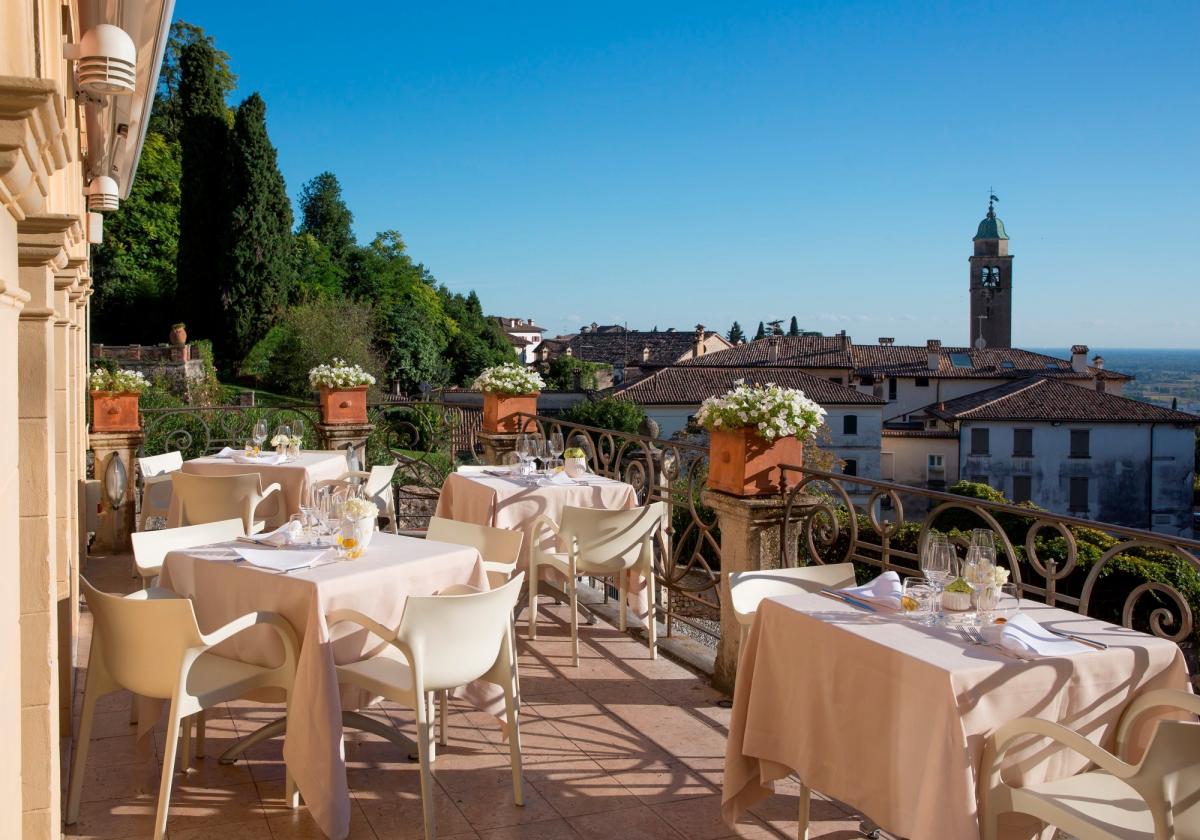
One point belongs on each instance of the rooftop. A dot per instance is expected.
(518, 324)
(906, 360)
(822, 351)
(691, 384)
(991, 227)
(627, 346)
(1047, 399)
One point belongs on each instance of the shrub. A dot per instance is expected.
(560, 376)
(310, 335)
(609, 413)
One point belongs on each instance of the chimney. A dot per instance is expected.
(886, 341)
(934, 349)
(698, 347)
(773, 350)
(845, 340)
(570, 351)
(645, 352)
(1098, 362)
(1079, 358)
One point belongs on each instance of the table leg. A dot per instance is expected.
(355, 720)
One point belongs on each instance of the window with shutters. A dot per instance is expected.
(1022, 488)
(1078, 502)
(980, 442)
(850, 467)
(850, 424)
(892, 389)
(1022, 443)
(1081, 443)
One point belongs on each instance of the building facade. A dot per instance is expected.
(60, 136)
(523, 334)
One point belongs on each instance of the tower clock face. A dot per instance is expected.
(991, 278)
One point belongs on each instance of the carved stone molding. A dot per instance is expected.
(33, 142)
(43, 239)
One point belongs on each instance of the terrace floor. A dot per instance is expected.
(621, 746)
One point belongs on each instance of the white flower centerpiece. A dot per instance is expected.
(358, 526)
(343, 389)
(753, 430)
(509, 390)
(115, 396)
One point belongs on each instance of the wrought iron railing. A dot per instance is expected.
(688, 553)
(202, 430)
(1140, 579)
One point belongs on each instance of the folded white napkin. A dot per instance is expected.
(226, 452)
(277, 559)
(885, 589)
(286, 534)
(559, 479)
(1026, 638)
(270, 460)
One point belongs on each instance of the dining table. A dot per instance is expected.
(501, 498)
(890, 715)
(223, 586)
(295, 476)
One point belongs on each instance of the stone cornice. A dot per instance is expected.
(33, 142)
(43, 239)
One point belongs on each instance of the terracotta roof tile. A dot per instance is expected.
(666, 348)
(825, 351)
(989, 363)
(692, 384)
(1047, 399)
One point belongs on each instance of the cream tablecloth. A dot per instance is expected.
(890, 717)
(509, 503)
(377, 584)
(294, 479)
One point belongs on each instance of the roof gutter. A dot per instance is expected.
(160, 48)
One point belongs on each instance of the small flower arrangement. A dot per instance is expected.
(295, 441)
(510, 378)
(772, 411)
(280, 440)
(574, 452)
(359, 509)
(1000, 576)
(118, 381)
(339, 374)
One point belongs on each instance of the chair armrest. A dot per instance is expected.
(535, 529)
(1161, 698)
(273, 487)
(367, 623)
(354, 474)
(459, 589)
(273, 620)
(1000, 740)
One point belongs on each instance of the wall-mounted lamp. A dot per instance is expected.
(106, 61)
(103, 194)
(116, 481)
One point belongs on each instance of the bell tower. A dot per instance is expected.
(991, 284)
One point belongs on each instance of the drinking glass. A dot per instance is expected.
(1001, 603)
(524, 451)
(939, 565)
(916, 599)
(539, 450)
(260, 433)
(979, 571)
(984, 538)
(555, 445)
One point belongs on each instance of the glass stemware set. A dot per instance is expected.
(533, 448)
(320, 517)
(940, 565)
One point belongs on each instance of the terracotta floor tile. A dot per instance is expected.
(700, 819)
(298, 825)
(639, 823)
(399, 816)
(197, 806)
(579, 786)
(550, 830)
(249, 830)
(131, 817)
(656, 782)
(492, 806)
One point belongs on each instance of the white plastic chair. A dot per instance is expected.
(499, 547)
(377, 486)
(1158, 798)
(212, 498)
(446, 641)
(154, 648)
(598, 543)
(156, 484)
(747, 589)
(151, 547)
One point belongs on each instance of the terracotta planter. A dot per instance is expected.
(500, 411)
(114, 411)
(344, 406)
(178, 336)
(743, 464)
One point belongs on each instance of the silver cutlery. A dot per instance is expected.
(1092, 643)
(846, 599)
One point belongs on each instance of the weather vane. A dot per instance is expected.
(992, 199)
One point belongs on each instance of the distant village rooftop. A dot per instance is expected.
(691, 384)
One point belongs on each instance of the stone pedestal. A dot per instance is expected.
(497, 446)
(750, 540)
(347, 436)
(112, 534)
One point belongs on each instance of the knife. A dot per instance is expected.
(1089, 642)
(848, 599)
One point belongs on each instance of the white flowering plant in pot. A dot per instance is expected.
(118, 381)
(511, 379)
(339, 374)
(770, 410)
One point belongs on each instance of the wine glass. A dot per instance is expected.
(984, 538)
(525, 451)
(979, 571)
(259, 435)
(555, 444)
(938, 565)
(539, 450)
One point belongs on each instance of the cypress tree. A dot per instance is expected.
(260, 234)
(762, 331)
(735, 333)
(203, 189)
(794, 327)
(324, 214)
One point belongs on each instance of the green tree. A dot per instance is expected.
(166, 117)
(317, 276)
(311, 334)
(762, 331)
(794, 327)
(609, 413)
(134, 269)
(560, 374)
(476, 342)
(260, 275)
(736, 336)
(204, 197)
(324, 215)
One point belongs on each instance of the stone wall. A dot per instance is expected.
(181, 367)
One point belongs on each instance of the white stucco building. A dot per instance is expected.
(523, 334)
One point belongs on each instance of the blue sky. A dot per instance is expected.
(679, 163)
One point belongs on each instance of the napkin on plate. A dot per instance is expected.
(269, 460)
(226, 452)
(884, 589)
(277, 559)
(285, 534)
(1030, 640)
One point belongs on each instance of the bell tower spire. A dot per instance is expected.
(991, 283)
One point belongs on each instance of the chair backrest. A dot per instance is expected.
(168, 462)
(142, 641)
(747, 589)
(610, 539)
(379, 479)
(212, 498)
(1168, 778)
(151, 547)
(455, 639)
(498, 545)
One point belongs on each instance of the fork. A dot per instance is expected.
(975, 636)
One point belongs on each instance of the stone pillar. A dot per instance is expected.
(497, 446)
(65, 498)
(347, 436)
(112, 535)
(750, 540)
